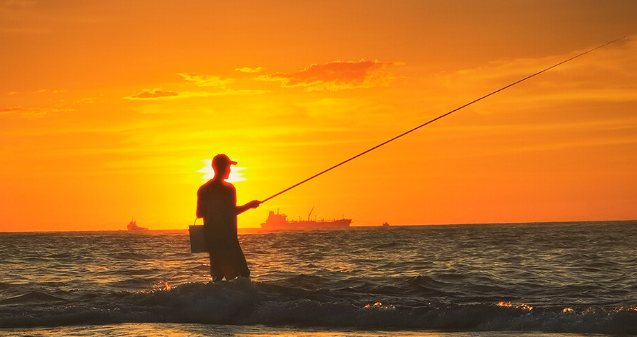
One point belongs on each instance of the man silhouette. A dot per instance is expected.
(217, 205)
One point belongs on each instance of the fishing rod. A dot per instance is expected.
(440, 117)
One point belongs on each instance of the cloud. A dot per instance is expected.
(226, 92)
(154, 94)
(158, 94)
(607, 74)
(53, 91)
(86, 100)
(337, 75)
(34, 111)
(249, 70)
(206, 80)
(217, 84)
(237, 92)
(60, 110)
(11, 110)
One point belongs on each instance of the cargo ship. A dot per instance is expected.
(280, 221)
(132, 226)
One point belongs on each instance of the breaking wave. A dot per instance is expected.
(296, 302)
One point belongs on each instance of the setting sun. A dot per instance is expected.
(208, 172)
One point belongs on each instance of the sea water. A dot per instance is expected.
(453, 280)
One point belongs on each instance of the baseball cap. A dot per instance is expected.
(222, 160)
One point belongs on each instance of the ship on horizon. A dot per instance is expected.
(132, 226)
(280, 221)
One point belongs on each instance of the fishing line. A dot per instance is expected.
(440, 117)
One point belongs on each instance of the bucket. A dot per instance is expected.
(197, 239)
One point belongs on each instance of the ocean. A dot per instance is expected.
(539, 279)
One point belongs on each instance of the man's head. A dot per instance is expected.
(221, 165)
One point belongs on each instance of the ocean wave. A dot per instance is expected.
(32, 297)
(4, 286)
(246, 303)
(122, 256)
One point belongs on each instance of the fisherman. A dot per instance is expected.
(217, 205)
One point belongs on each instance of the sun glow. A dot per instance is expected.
(209, 173)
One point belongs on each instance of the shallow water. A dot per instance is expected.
(196, 330)
(536, 278)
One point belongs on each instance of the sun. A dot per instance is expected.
(208, 173)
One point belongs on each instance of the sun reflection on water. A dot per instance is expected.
(522, 306)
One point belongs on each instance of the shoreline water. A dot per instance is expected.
(196, 330)
(463, 280)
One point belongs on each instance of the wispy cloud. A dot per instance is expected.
(86, 100)
(158, 93)
(53, 91)
(337, 75)
(35, 111)
(11, 110)
(206, 80)
(249, 70)
(229, 92)
(608, 74)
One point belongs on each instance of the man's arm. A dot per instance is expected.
(251, 204)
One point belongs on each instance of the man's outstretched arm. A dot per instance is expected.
(251, 204)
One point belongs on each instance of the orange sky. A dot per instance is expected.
(108, 110)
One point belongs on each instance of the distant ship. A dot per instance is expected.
(132, 226)
(279, 221)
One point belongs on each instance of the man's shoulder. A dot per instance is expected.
(205, 187)
(212, 186)
(229, 186)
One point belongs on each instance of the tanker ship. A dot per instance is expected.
(280, 221)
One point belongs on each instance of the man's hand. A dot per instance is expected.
(254, 204)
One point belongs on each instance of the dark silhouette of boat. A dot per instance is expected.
(132, 226)
(280, 221)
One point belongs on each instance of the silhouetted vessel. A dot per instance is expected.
(132, 226)
(280, 221)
